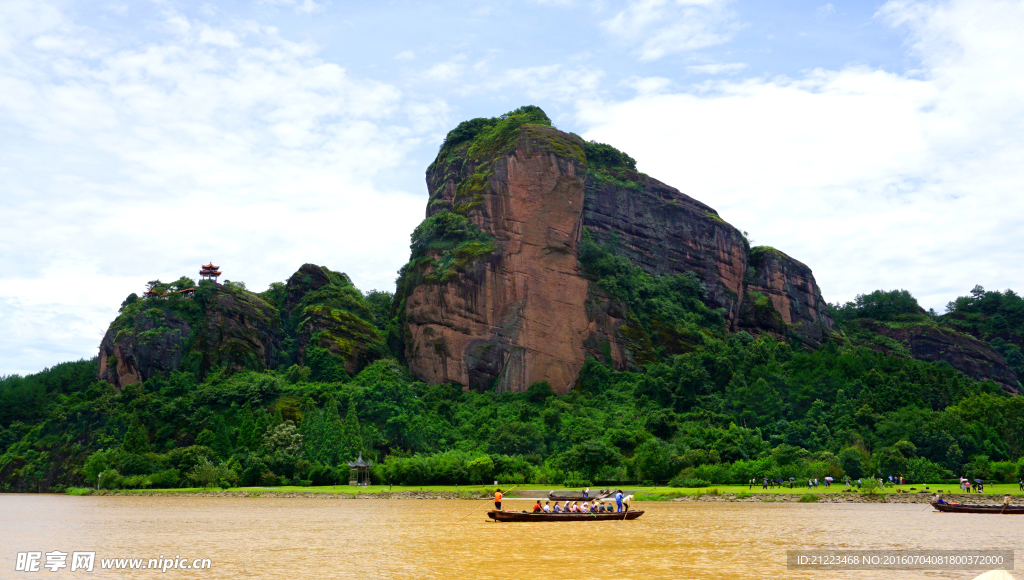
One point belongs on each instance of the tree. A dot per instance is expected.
(222, 438)
(653, 461)
(247, 438)
(205, 473)
(590, 457)
(136, 439)
(97, 463)
(351, 437)
(480, 469)
(852, 462)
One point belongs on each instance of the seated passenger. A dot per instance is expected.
(536, 506)
(574, 508)
(585, 508)
(557, 509)
(547, 507)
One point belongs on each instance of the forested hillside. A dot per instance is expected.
(710, 406)
(697, 362)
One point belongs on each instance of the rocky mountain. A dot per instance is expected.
(539, 250)
(495, 295)
(226, 326)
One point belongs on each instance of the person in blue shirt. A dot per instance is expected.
(618, 501)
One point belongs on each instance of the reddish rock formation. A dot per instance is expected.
(527, 313)
(521, 317)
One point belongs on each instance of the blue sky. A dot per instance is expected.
(878, 142)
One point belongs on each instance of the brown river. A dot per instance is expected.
(320, 538)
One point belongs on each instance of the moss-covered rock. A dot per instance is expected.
(323, 307)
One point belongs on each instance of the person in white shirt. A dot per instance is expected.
(547, 507)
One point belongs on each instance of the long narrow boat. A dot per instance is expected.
(509, 516)
(979, 509)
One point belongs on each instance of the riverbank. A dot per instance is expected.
(913, 494)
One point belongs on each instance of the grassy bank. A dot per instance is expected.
(530, 490)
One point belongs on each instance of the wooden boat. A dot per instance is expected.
(979, 509)
(508, 516)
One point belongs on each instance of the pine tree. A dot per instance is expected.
(263, 423)
(222, 438)
(351, 437)
(247, 430)
(311, 430)
(136, 439)
(332, 433)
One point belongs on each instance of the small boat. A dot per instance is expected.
(573, 495)
(979, 509)
(510, 516)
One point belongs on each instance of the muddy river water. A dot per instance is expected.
(321, 538)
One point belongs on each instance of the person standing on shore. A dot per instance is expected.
(1021, 483)
(497, 499)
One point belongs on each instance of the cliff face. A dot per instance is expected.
(325, 308)
(525, 312)
(140, 345)
(227, 326)
(963, 352)
(668, 232)
(160, 335)
(518, 316)
(239, 329)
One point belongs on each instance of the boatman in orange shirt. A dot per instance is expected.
(497, 499)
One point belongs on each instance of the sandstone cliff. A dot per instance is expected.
(518, 309)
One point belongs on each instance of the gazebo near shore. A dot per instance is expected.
(359, 471)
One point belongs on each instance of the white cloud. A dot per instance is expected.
(122, 164)
(662, 27)
(405, 55)
(544, 83)
(874, 179)
(300, 6)
(717, 69)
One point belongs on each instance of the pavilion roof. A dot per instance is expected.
(360, 462)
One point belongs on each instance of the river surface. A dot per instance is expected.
(321, 538)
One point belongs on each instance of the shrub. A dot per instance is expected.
(689, 482)
(871, 486)
(809, 498)
(110, 479)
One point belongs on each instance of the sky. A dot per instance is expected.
(880, 143)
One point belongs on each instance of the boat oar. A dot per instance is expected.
(474, 509)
